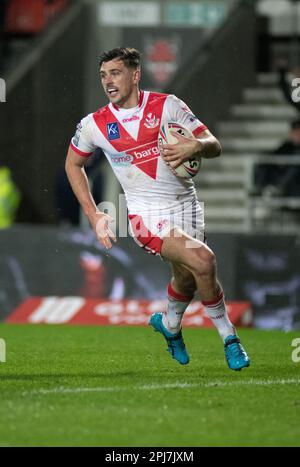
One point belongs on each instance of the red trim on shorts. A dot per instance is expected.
(149, 242)
(199, 130)
(81, 153)
(212, 303)
(178, 296)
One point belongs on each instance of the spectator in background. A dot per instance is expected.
(67, 206)
(277, 179)
(9, 198)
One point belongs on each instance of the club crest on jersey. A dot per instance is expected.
(151, 121)
(113, 131)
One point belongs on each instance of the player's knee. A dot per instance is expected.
(204, 263)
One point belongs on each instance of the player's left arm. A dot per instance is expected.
(204, 145)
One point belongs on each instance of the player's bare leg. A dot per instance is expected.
(197, 258)
(186, 253)
(183, 280)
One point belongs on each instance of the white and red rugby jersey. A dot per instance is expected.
(129, 139)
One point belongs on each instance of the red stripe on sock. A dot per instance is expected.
(213, 302)
(178, 296)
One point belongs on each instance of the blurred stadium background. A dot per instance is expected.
(221, 57)
(225, 59)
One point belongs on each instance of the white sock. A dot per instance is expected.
(216, 310)
(177, 304)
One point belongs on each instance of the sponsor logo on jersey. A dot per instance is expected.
(113, 131)
(150, 152)
(121, 160)
(146, 157)
(151, 121)
(131, 119)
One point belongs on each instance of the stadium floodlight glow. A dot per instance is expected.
(2, 90)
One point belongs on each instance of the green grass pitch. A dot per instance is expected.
(117, 386)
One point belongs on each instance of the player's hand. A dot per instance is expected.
(176, 154)
(100, 224)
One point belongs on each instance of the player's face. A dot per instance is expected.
(120, 83)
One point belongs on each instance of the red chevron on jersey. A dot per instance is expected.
(144, 149)
(145, 157)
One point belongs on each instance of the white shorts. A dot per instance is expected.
(148, 229)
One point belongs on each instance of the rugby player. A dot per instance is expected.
(165, 216)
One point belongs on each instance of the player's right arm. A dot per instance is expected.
(79, 182)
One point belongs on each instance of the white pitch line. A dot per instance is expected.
(153, 387)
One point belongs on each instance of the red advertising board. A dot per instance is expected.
(79, 310)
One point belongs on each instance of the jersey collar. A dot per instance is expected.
(139, 103)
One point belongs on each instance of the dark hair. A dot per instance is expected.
(131, 57)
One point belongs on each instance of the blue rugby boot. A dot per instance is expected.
(235, 353)
(176, 346)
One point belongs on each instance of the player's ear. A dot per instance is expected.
(136, 76)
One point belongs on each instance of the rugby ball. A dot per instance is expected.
(190, 167)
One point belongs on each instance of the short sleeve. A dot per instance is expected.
(179, 112)
(82, 141)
